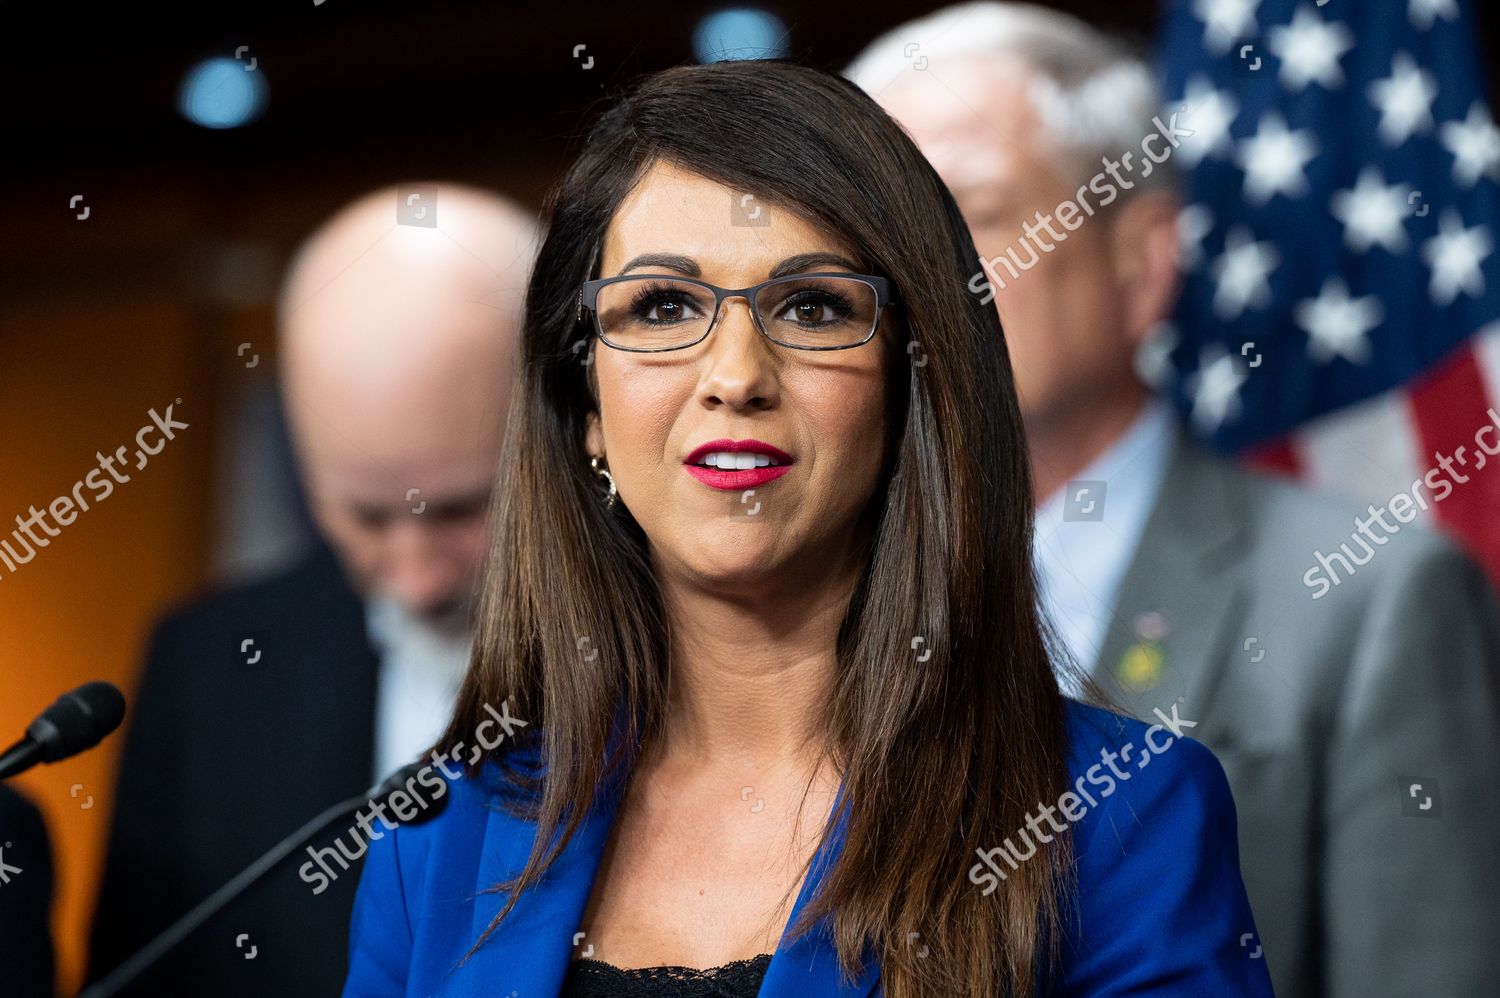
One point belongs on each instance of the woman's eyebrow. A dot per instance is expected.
(807, 261)
(687, 265)
(681, 264)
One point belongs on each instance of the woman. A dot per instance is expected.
(761, 593)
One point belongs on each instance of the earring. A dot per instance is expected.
(602, 470)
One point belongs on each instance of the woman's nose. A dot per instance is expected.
(741, 362)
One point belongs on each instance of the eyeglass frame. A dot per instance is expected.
(588, 298)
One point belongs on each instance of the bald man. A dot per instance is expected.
(393, 376)
(263, 704)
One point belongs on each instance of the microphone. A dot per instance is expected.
(401, 779)
(77, 721)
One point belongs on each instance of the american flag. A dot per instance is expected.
(1341, 309)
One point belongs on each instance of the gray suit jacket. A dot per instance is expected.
(1360, 731)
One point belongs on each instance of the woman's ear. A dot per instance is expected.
(593, 436)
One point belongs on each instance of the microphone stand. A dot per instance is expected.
(179, 930)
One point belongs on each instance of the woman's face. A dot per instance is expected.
(825, 411)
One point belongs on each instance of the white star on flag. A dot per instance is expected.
(1404, 100)
(1310, 49)
(1273, 159)
(1215, 388)
(1424, 13)
(1475, 145)
(1193, 223)
(1372, 213)
(1455, 255)
(1242, 272)
(1337, 325)
(1209, 113)
(1225, 21)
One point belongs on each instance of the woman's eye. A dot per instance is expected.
(666, 309)
(808, 311)
(811, 311)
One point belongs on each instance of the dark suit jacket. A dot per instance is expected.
(1160, 907)
(1325, 714)
(226, 754)
(25, 900)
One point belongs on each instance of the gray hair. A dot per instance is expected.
(1093, 96)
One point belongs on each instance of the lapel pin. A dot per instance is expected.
(1143, 663)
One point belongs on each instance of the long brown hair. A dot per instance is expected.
(940, 753)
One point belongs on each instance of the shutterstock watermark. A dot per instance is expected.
(407, 804)
(66, 507)
(1404, 506)
(1107, 184)
(1074, 804)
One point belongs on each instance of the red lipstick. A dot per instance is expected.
(734, 479)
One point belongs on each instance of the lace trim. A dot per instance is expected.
(737, 972)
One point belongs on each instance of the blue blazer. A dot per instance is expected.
(1161, 909)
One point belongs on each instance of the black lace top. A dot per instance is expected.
(597, 979)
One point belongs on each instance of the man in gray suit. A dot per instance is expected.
(1358, 729)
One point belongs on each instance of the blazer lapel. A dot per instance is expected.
(1180, 600)
(531, 953)
(325, 648)
(809, 965)
(536, 943)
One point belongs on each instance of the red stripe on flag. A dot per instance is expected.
(1449, 403)
(1278, 457)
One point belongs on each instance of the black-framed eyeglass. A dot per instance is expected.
(650, 313)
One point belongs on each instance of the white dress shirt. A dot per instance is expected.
(1082, 551)
(420, 672)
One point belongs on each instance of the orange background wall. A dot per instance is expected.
(81, 608)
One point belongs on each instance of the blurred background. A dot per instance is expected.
(161, 167)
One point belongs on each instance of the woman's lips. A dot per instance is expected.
(729, 481)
